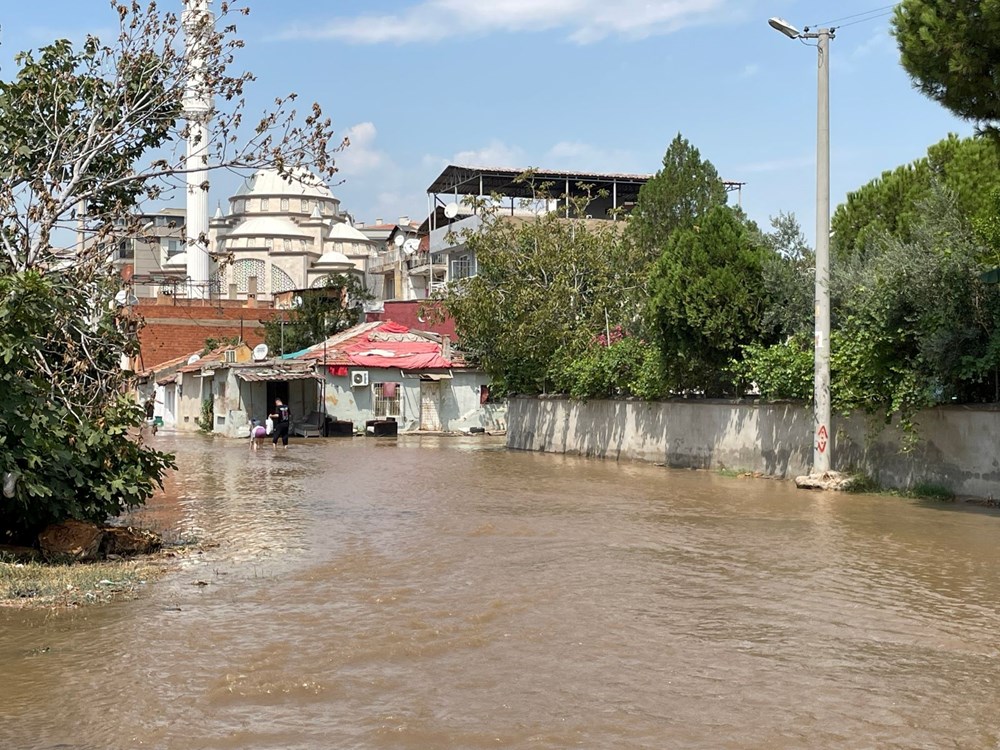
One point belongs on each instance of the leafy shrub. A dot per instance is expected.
(68, 428)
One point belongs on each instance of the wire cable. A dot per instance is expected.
(856, 15)
(870, 18)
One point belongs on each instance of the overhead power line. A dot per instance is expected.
(870, 18)
(883, 11)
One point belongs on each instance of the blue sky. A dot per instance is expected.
(567, 84)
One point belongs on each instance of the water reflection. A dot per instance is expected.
(442, 592)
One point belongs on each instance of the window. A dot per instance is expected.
(264, 204)
(284, 204)
(305, 205)
(171, 246)
(387, 399)
(461, 267)
(286, 245)
(125, 250)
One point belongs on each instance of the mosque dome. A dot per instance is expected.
(333, 261)
(269, 182)
(344, 232)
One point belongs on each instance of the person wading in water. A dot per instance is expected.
(282, 423)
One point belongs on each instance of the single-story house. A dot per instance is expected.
(178, 387)
(374, 371)
(384, 370)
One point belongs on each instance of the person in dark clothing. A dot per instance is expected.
(282, 423)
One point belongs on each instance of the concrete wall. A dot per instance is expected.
(957, 446)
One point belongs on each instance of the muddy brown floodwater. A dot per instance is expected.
(446, 593)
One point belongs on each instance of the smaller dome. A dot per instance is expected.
(333, 261)
(177, 261)
(344, 232)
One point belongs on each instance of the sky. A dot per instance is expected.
(566, 84)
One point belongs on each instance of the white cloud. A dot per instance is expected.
(494, 154)
(750, 70)
(361, 157)
(582, 21)
(881, 42)
(579, 156)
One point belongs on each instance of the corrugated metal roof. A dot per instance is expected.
(261, 374)
(468, 180)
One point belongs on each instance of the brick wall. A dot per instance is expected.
(173, 330)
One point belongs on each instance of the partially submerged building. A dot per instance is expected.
(374, 371)
(384, 370)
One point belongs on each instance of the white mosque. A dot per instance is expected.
(282, 234)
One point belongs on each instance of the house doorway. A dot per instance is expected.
(276, 389)
(430, 400)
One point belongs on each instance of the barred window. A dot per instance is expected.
(387, 399)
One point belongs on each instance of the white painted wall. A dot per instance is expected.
(957, 447)
(459, 407)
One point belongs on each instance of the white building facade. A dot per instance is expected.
(282, 234)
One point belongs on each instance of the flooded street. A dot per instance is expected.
(433, 593)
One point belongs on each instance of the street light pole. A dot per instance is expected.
(822, 439)
(821, 383)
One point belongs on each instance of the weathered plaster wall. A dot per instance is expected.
(238, 403)
(458, 408)
(958, 446)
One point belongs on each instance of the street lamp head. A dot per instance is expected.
(784, 27)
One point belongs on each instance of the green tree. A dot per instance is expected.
(86, 135)
(544, 285)
(707, 301)
(683, 190)
(951, 49)
(789, 275)
(915, 325)
(324, 311)
(967, 167)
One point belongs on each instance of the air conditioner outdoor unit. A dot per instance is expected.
(359, 379)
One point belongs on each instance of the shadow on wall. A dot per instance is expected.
(708, 434)
(955, 446)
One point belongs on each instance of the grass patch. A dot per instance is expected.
(866, 485)
(41, 584)
(931, 491)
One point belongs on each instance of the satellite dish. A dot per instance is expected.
(451, 210)
(193, 358)
(410, 246)
(126, 299)
(398, 240)
(260, 352)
